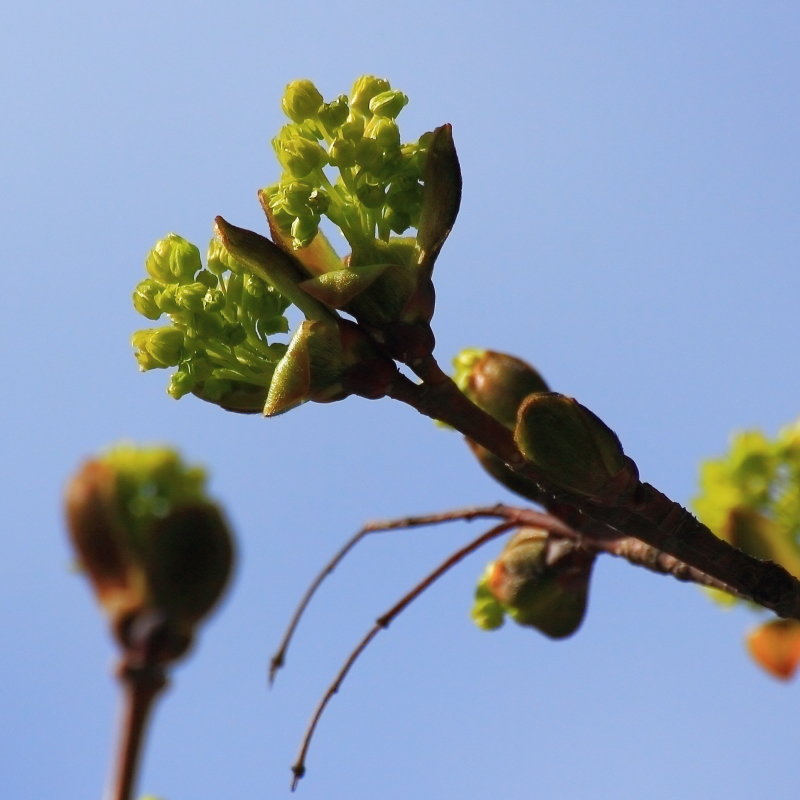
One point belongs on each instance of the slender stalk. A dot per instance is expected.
(141, 685)
(299, 767)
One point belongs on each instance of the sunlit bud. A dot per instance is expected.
(191, 296)
(353, 129)
(180, 384)
(144, 298)
(165, 346)
(294, 196)
(297, 155)
(388, 104)
(573, 447)
(301, 100)
(304, 229)
(334, 114)
(173, 259)
(384, 131)
(496, 382)
(487, 613)
(214, 300)
(364, 89)
(342, 153)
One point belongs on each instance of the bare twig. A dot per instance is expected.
(509, 513)
(384, 621)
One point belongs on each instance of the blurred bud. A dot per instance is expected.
(496, 382)
(542, 582)
(364, 89)
(388, 104)
(173, 259)
(775, 646)
(342, 153)
(301, 100)
(149, 540)
(574, 448)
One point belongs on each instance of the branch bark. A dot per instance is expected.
(645, 514)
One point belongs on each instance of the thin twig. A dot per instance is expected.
(540, 519)
(141, 672)
(383, 622)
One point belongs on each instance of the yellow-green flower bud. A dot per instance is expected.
(352, 129)
(573, 447)
(144, 298)
(388, 104)
(364, 89)
(304, 229)
(369, 155)
(173, 259)
(342, 153)
(191, 296)
(165, 346)
(369, 193)
(301, 100)
(334, 114)
(298, 155)
(384, 131)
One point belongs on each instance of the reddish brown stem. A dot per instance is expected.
(384, 621)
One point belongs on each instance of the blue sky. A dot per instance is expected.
(629, 224)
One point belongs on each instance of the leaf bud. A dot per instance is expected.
(573, 447)
(496, 382)
(301, 100)
(542, 582)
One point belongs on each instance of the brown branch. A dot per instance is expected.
(646, 514)
(299, 768)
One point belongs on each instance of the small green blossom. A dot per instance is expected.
(360, 138)
(220, 320)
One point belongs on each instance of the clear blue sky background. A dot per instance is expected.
(629, 224)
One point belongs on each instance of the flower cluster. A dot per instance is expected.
(377, 188)
(221, 317)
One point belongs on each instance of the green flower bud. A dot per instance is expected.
(496, 382)
(144, 298)
(384, 131)
(352, 130)
(301, 100)
(342, 153)
(173, 259)
(334, 114)
(487, 613)
(369, 154)
(191, 296)
(150, 541)
(298, 155)
(364, 89)
(369, 193)
(214, 300)
(167, 299)
(165, 345)
(180, 384)
(573, 447)
(304, 229)
(388, 104)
